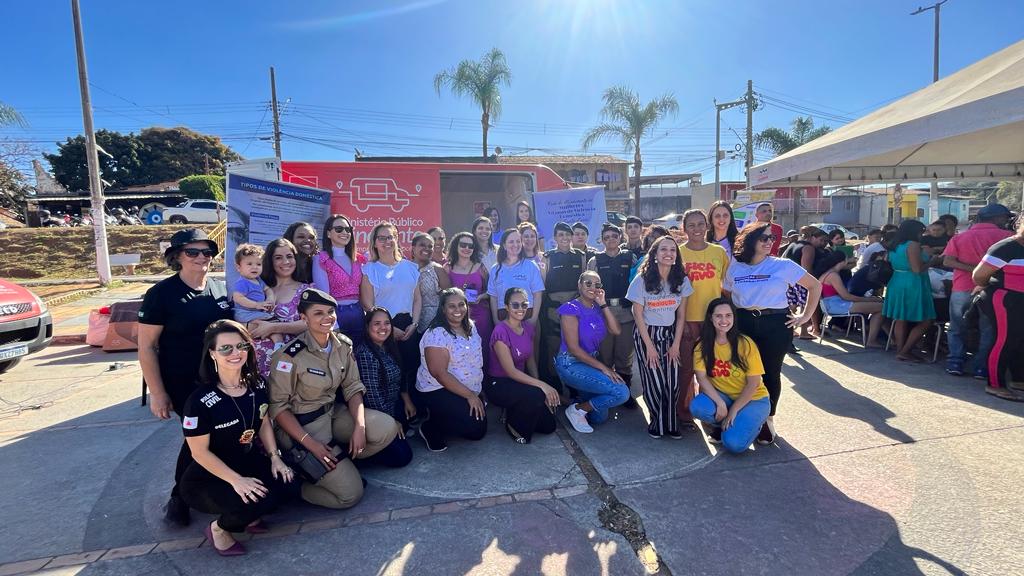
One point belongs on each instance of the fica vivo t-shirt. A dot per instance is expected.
(706, 270)
(659, 307)
(728, 378)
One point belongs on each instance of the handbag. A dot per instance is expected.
(879, 272)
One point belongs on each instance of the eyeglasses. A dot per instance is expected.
(766, 238)
(610, 238)
(385, 238)
(195, 252)
(519, 305)
(227, 349)
(466, 245)
(342, 229)
(592, 284)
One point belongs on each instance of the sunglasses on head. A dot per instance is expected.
(593, 284)
(227, 349)
(342, 229)
(195, 252)
(519, 305)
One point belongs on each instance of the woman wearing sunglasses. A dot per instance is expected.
(467, 273)
(233, 475)
(338, 270)
(173, 316)
(659, 294)
(758, 283)
(585, 321)
(513, 384)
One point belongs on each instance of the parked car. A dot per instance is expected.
(617, 218)
(203, 211)
(672, 221)
(828, 228)
(25, 324)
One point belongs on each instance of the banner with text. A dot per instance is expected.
(260, 210)
(571, 205)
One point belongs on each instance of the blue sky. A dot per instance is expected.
(359, 74)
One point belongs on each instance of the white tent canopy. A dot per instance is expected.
(968, 126)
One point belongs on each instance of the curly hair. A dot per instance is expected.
(453, 249)
(649, 269)
(746, 241)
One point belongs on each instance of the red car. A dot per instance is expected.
(25, 324)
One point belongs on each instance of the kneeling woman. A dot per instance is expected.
(380, 368)
(732, 398)
(306, 378)
(528, 402)
(451, 375)
(230, 476)
(585, 321)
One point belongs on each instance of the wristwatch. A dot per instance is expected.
(603, 306)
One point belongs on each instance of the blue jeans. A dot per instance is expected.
(592, 384)
(738, 437)
(957, 336)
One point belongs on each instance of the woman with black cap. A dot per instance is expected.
(174, 314)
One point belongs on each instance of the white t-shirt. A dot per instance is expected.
(393, 286)
(659, 308)
(465, 362)
(763, 285)
(523, 274)
(867, 253)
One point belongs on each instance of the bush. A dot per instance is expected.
(202, 187)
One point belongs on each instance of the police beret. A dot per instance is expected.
(314, 296)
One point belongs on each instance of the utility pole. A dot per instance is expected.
(933, 195)
(718, 139)
(277, 118)
(99, 226)
(749, 99)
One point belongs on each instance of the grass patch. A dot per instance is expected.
(69, 253)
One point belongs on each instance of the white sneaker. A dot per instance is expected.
(578, 419)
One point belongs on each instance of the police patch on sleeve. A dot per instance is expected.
(190, 422)
(283, 366)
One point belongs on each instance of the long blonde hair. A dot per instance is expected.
(374, 256)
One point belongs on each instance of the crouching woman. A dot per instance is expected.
(732, 399)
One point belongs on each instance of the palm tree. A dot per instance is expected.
(779, 141)
(629, 121)
(8, 115)
(481, 81)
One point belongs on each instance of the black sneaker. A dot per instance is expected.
(432, 438)
(653, 432)
(715, 435)
(675, 434)
(631, 404)
(794, 350)
(766, 436)
(177, 512)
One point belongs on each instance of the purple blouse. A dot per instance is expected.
(592, 329)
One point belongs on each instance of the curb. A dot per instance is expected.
(68, 340)
(58, 300)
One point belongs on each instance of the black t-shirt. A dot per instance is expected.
(210, 411)
(184, 314)
(1008, 256)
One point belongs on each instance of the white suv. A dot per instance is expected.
(203, 211)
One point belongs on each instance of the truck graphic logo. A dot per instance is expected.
(366, 193)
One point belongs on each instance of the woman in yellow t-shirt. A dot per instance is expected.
(732, 399)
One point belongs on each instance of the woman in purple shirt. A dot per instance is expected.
(585, 321)
(528, 402)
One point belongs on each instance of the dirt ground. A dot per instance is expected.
(55, 253)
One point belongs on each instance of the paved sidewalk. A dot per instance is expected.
(71, 319)
(881, 468)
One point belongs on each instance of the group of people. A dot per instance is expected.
(321, 360)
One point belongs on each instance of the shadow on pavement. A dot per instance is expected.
(828, 394)
(780, 517)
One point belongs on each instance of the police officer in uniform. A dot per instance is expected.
(613, 266)
(306, 377)
(562, 269)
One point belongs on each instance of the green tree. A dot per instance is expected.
(779, 141)
(1009, 194)
(155, 155)
(481, 81)
(629, 121)
(202, 186)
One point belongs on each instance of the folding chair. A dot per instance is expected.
(825, 317)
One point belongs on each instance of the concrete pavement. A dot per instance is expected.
(882, 468)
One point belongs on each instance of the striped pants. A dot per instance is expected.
(661, 384)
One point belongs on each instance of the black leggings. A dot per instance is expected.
(408, 350)
(773, 339)
(211, 495)
(526, 410)
(449, 415)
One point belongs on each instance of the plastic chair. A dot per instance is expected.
(825, 317)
